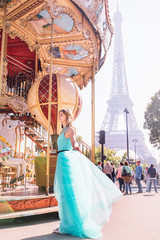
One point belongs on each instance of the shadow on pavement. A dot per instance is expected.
(54, 236)
(30, 220)
(148, 195)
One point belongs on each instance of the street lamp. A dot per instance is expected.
(126, 111)
(135, 141)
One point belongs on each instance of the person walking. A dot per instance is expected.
(138, 176)
(108, 169)
(99, 165)
(126, 173)
(84, 194)
(120, 178)
(157, 179)
(146, 179)
(152, 177)
(133, 176)
(113, 172)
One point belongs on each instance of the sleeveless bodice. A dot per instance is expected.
(64, 143)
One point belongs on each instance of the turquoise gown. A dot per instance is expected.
(84, 193)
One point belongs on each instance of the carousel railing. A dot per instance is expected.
(36, 127)
(41, 134)
(33, 129)
(84, 148)
(37, 133)
(19, 78)
(37, 137)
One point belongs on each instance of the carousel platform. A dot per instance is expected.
(5, 216)
(25, 201)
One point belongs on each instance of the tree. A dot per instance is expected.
(110, 156)
(97, 155)
(124, 157)
(144, 166)
(152, 119)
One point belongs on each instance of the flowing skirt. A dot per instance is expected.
(84, 194)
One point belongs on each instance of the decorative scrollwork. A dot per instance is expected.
(30, 204)
(26, 10)
(54, 8)
(13, 3)
(23, 21)
(13, 34)
(5, 72)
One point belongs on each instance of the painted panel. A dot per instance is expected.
(69, 72)
(74, 52)
(41, 23)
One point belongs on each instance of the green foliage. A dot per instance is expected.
(133, 166)
(144, 166)
(124, 157)
(110, 156)
(97, 155)
(152, 119)
(79, 137)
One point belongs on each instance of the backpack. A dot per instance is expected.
(124, 172)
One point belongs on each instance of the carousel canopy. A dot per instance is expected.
(82, 31)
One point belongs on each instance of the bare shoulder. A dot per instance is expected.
(70, 132)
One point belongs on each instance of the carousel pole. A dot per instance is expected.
(93, 113)
(16, 144)
(36, 64)
(25, 144)
(3, 47)
(24, 157)
(49, 112)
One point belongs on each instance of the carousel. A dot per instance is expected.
(49, 51)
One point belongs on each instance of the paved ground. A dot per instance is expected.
(134, 217)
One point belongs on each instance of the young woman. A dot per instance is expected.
(84, 193)
(126, 172)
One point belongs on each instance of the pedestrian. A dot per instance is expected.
(99, 165)
(152, 177)
(113, 172)
(120, 178)
(84, 194)
(108, 169)
(145, 174)
(146, 179)
(126, 173)
(133, 176)
(157, 179)
(138, 176)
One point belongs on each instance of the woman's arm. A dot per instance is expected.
(70, 133)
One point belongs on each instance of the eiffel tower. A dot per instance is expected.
(114, 122)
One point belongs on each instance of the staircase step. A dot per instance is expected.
(31, 134)
(39, 140)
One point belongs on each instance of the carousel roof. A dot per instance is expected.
(82, 30)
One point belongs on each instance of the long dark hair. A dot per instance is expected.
(69, 116)
(126, 163)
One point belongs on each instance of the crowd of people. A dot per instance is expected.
(126, 177)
